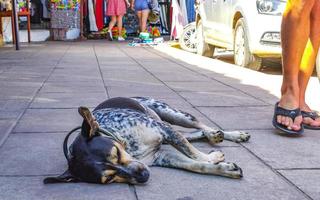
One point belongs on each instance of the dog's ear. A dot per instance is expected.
(66, 177)
(89, 120)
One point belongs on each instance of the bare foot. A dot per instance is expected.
(311, 119)
(295, 124)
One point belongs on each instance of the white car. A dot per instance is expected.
(251, 28)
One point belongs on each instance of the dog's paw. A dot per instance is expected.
(215, 157)
(230, 170)
(236, 136)
(213, 136)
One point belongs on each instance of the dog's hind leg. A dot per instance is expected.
(178, 141)
(176, 160)
(184, 119)
(181, 118)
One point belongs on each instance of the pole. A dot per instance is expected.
(16, 24)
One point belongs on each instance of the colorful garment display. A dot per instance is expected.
(97, 15)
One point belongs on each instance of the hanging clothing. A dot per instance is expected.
(184, 13)
(99, 14)
(92, 19)
(191, 11)
(177, 20)
(116, 7)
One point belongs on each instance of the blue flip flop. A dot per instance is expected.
(288, 113)
(313, 115)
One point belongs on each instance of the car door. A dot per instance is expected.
(219, 23)
(222, 20)
(206, 13)
(225, 21)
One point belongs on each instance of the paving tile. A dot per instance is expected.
(68, 77)
(232, 118)
(48, 120)
(18, 90)
(256, 90)
(281, 152)
(174, 76)
(23, 77)
(21, 188)
(221, 98)
(33, 154)
(307, 180)
(68, 100)
(6, 126)
(210, 86)
(259, 182)
(153, 92)
(73, 87)
(134, 84)
(11, 108)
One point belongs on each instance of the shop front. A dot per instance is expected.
(73, 19)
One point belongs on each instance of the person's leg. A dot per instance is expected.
(111, 25)
(144, 18)
(119, 24)
(308, 61)
(295, 30)
(112, 22)
(139, 14)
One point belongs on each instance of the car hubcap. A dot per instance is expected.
(190, 38)
(239, 49)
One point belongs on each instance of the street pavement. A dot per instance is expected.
(43, 84)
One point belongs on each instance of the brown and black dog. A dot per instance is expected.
(123, 136)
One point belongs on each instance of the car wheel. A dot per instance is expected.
(242, 54)
(203, 48)
(188, 39)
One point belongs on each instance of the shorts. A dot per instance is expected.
(140, 5)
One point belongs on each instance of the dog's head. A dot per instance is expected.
(96, 158)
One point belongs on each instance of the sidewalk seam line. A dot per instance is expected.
(100, 71)
(12, 127)
(177, 63)
(278, 173)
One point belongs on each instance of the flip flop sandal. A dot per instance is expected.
(313, 115)
(288, 113)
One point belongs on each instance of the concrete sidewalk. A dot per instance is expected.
(42, 85)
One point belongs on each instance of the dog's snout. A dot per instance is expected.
(139, 171)
(142, 176)
(135, 172)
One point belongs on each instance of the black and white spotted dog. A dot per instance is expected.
(137, 127)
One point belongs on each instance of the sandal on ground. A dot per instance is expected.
(288, 113)
(313, 115)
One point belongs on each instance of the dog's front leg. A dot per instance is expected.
(177, 160)
(236, 136)
(177, 140)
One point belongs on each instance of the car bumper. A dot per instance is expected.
(264, 35)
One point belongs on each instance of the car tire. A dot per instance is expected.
(203, 48)
(242, 54)
(188, 39)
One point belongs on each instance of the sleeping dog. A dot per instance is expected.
(123, 136)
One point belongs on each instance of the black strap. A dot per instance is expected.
(288, 113)
(112, 134)
(313, 115)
